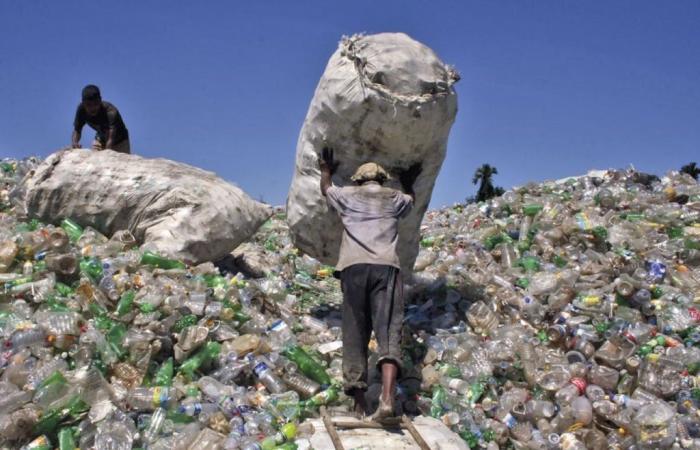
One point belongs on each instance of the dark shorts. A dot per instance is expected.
(372, 300)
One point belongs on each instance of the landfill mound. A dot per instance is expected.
(559, 315)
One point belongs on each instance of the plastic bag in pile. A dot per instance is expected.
(384, 98)
(178, 210)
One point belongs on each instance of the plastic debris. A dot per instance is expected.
(562, 315)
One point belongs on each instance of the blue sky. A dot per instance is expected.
(549, 88)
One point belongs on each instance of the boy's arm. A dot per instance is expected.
(112, 122)
(110, 139)
(78, 124)
(75, 139)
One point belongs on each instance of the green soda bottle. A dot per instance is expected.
(51, 385)
(72, 229)
(529, 263)
(125, 303)
(55, 305)
(692, 244)
(184, 322)
(92, 268)
(323, 398)
(307, 364)
(49, 421)
(470, 438)
(66, 440)
(438, 399)
(7, 167)
(532, 209)
(152, 259)
(115, 336)
(211, 350)
(64, 290)
(287, 446)
(164, 376)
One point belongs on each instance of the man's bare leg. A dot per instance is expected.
(389, 372)
(386, 401)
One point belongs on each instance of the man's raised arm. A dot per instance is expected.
(328, 167)
(408, 178)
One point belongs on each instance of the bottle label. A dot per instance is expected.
(260, 368)
(509, 421)
(160, 397)
(278, 326)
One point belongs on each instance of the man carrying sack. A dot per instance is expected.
(369, 273)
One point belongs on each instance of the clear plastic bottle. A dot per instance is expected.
(148, 399)
(303, 385)
(154, 426)
(455, 384)
(197, 408)
(267, 377)
(280, 335)
(482, 318)
(27, 338)
(655, 426)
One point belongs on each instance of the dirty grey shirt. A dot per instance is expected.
(370, 214)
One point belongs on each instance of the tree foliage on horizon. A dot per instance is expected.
(484, 176)
(691, 169)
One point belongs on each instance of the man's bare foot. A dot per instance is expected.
(384, 410)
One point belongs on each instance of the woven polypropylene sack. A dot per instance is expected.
(178, 210)
(384, 98)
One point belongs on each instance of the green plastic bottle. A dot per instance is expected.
(66, 440)
(190, 365)
(125, 303)
(692, 244)
(164, 376)
(72, 229)
(287, 446)
(64, 290)
(184, 322)
(236, 312)
(438, 399)
(115, 336)
(322, 398)
(49, 421)
(529, 263)
(92, 268)
(7, 167)
(152, 259)
(307, 364)
(427, 241)
(532, 209)
(470, 438)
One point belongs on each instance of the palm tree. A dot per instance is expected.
(691, 169)
(484, 176)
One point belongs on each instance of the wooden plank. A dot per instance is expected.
(332, 432)
(406, 422)
(350, 425)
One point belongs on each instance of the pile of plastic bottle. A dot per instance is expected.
(561, 315)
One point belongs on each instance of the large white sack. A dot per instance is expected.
(385, 98)
(178, 210)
